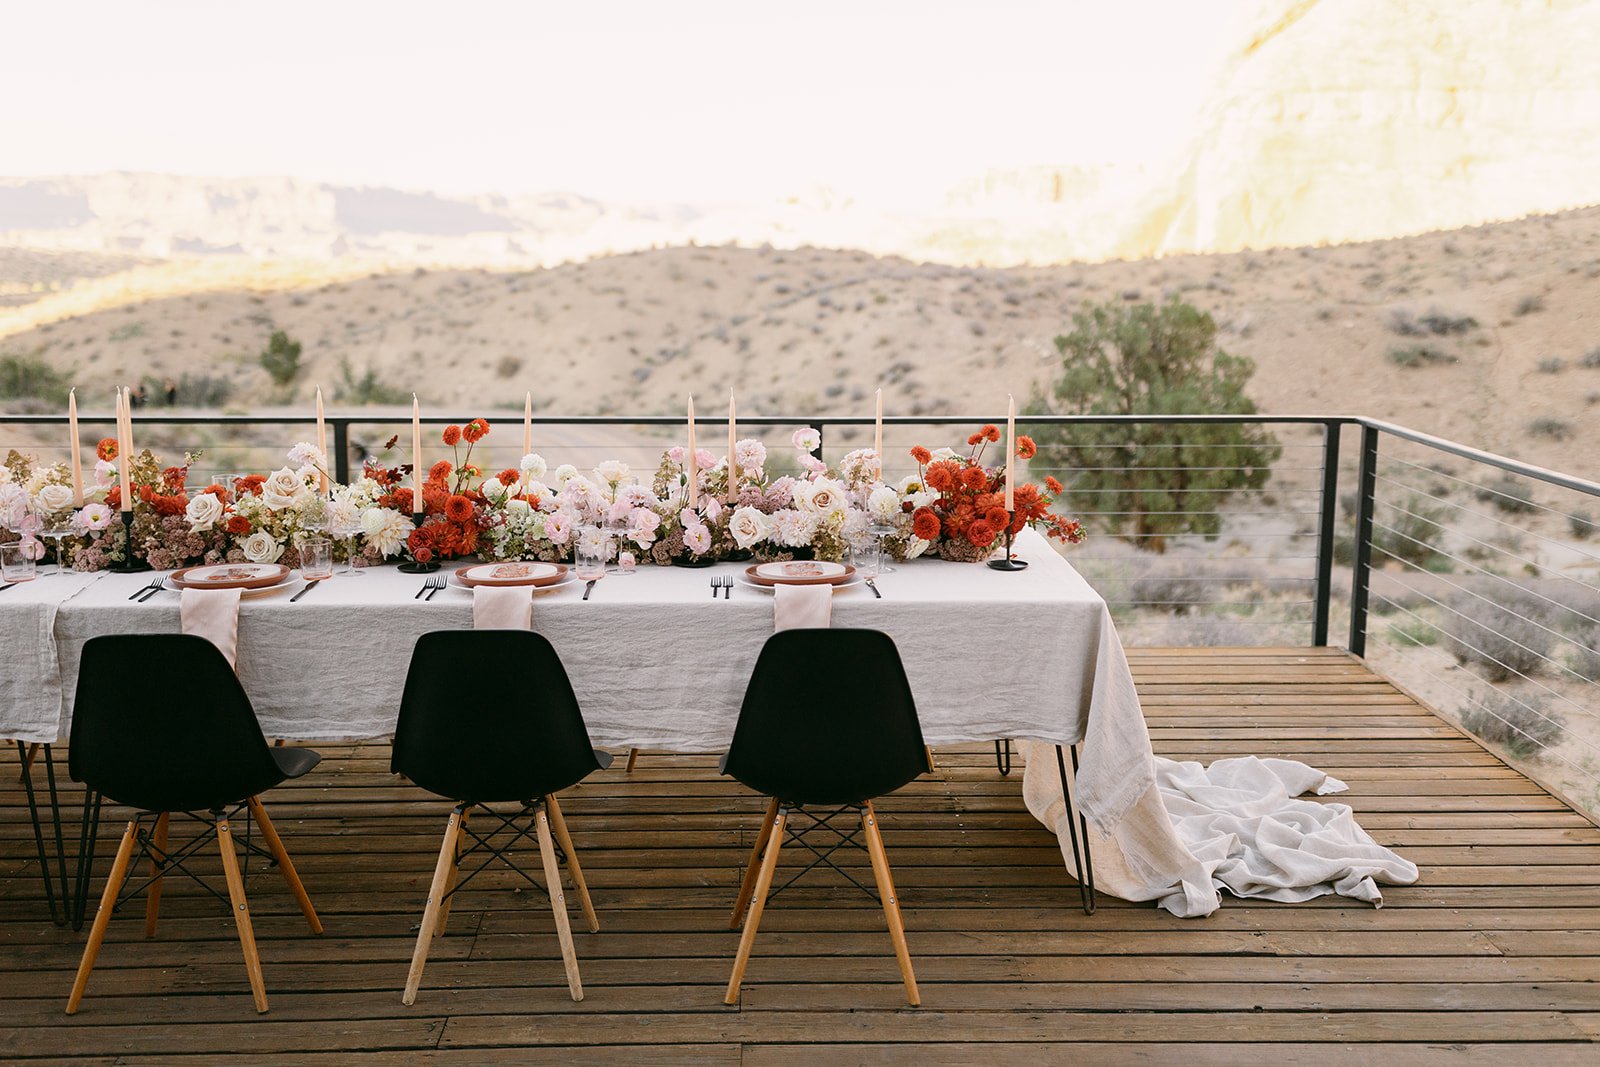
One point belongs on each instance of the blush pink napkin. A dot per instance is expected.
(802, 607)
(214, 615)
(508, 608)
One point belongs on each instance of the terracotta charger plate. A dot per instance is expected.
(512, 574)
(800, 572)
(230, 576)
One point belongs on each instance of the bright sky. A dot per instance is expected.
(637, 101)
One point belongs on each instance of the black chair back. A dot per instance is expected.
(847, 747)
(514, 742)
(161, 723)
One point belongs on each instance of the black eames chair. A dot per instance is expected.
(194, 749)
(833, 754)
(521, 748)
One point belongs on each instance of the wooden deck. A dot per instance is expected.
(1494, 956)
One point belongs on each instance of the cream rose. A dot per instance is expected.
(748, 526)
(203, 512)
(283, 489)
(823, 497)
(261, 547)
(53, 498)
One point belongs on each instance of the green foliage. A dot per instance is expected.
(1409, 532)
(1435, 322)
(1419, 356)
(194, 390)
(281, 358)
(1555, 429)
(29, 377)
(1524, 727)
(1509, 494)
(367, 389)
(1162, 479)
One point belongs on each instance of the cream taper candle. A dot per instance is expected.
(72, 443)
(1011, 453)
(416, 455)
(733, 462)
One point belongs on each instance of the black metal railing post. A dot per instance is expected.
(1361, 575)
(341, 451)
(817, 452)
(1329, 507)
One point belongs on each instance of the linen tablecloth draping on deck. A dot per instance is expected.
(30, 681)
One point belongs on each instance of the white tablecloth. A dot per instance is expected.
(30, 680)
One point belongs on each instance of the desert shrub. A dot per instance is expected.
(1585, 657)
(1528, 305)
(281, 358)
(1522, 727)
(194, 390)
(1591, 359)
(1166, 591)
(1412, 632)
(508, 366)
(1162, 479)
(1552, 428)
(1499, 640)
(1409, 531)
(1553, 365)
(1419, 356)
(1582, 525)
(29, 377)
(1435, 322)
(1509, 494)
(367, 389)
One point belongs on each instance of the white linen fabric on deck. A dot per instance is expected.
(214, 615)
(1235, 825)
(508, 608)
(30, 684)
(802, 607)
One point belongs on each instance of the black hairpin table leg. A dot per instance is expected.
(58, 914)
(86, 842)
(1075, 823)
(1002, 756)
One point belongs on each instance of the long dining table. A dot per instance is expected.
(659, 660)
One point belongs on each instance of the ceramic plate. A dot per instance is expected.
(766, 587)
(564, 576)
(230, 576)
(800, 572)
(515, 573)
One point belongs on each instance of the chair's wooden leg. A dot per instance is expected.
(932, 766)
(28, 757)
(449, 895)
(430, 914)
(633, 757)
(558, 902)
(281, 854)
(241, 913)
(158, 854)
(747, 940)
(891, 904)
(102, 917)
(564, 839)
(748, 886)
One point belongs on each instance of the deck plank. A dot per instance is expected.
(1494, 957)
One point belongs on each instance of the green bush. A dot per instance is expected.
(367, 389)
(29, 377)
(281, 358)
(1522, 727)
(1161, 480)
(1409, 532)
(1420, 356)
(1510, 494)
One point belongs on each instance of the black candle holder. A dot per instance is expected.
(413, 566)
(129, 564)
(1009, 562)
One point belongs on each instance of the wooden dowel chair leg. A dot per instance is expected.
(158, 855)
(751, 869)
(275, 844)
(102, 917)
(430, 914)
(28, 757)
(449, 894)
(747, 940)
(241, 913)
(558, 902)
(564, 839)
(891, 903)
(633, 757)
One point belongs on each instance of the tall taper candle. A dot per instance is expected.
(72, 442)
(1011, 453)
(124, 448)
(733, 462)
(527, 423)
(322, 444)
(690, 465)
(877, 432)
(416, 455)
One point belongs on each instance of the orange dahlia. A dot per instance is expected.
(990, 432)
(439, 471)
(1052, 484)
(475, 431)
(974, 478)
(921, 455)
(508, 477)
(452, 435)
(981, 533)
(106, 449)
(1026, 449)
(940, 478)
(925, 524)
(458, 508)
(238, 525)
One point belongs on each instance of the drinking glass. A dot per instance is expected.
(348, 532)
(58, 529)
(314, 515)
(590, 554)
(867, 556)
(880, 530)
(316, 558)
(16, 565)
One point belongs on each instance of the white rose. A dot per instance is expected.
(748, 526)
(261, 547)
(53, 498)
(612, 471)
(203, 512)
(823, 497)
(283, 489)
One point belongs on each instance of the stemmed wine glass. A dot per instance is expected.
(880, 530)
(58, 528)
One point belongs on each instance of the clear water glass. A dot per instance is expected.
(15, 564)
(316, 558)
(867, 557)
(589, 553)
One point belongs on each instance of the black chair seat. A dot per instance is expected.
(294, 762)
